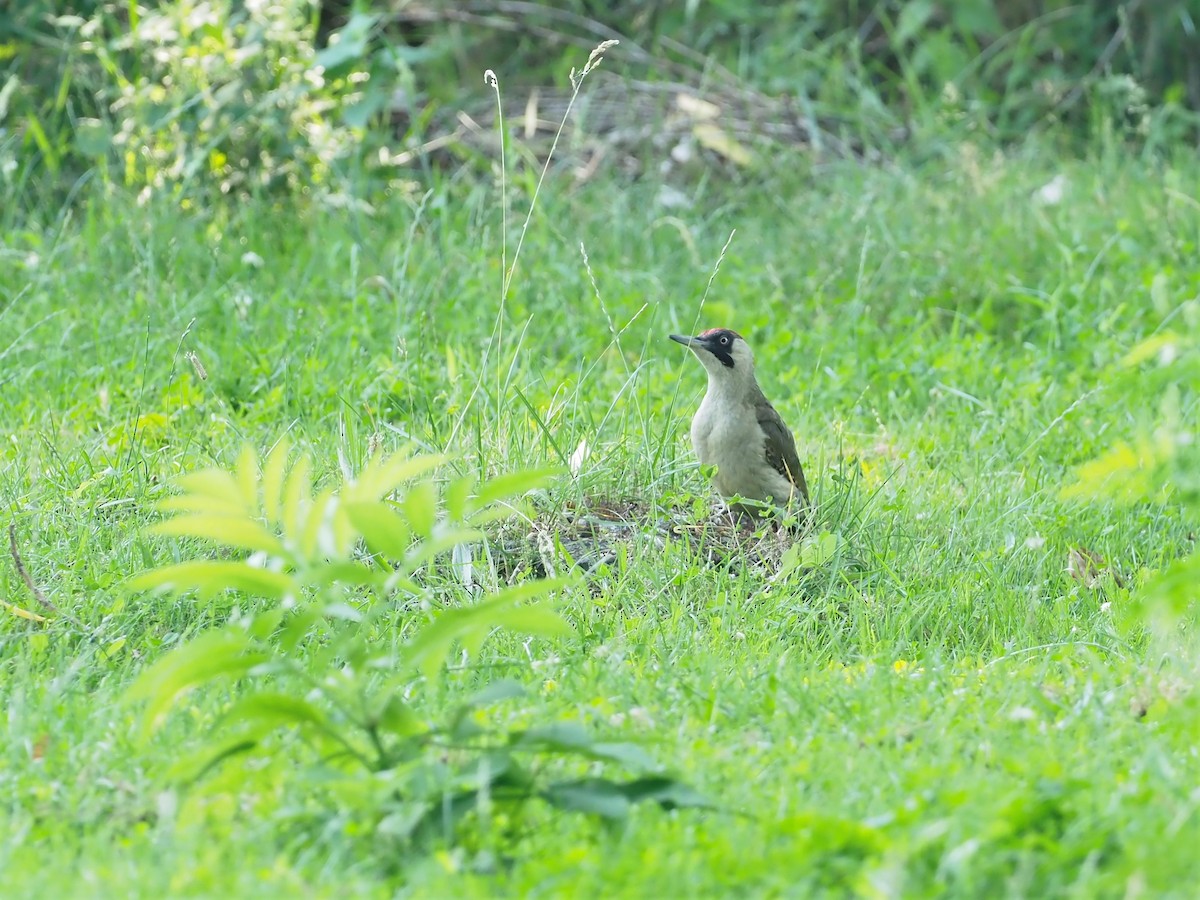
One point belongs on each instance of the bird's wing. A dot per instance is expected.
(780, 447)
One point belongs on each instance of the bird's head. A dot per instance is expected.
(723, 352)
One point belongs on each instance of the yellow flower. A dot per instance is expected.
(906, 668)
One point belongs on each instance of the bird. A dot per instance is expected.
(737, 430)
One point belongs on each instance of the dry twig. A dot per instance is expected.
(40, 597)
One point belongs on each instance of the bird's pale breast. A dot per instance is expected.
(728, 436)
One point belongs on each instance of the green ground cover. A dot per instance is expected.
(940, 706)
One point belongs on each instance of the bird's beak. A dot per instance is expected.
(684, 339)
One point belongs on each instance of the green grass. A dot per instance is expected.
(953, 714)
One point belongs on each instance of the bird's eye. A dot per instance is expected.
(724, 340)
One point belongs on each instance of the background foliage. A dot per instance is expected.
(258, 96)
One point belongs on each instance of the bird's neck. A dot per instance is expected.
(736, 389)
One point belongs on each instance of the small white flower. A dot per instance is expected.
(579, 457)
(1051, 193)
(250, 258)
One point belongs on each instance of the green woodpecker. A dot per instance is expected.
(737, 429)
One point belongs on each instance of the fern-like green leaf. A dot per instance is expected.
(210, 577)
(385, 531)
(420, 508)
(246, 473)
(297, 497)
(217, 486)
(458, 496)
(1125, 473)
(225, 531)
(215, 655)
(442, 542)
(386, 473)
(515, 484)
(272, 481)
(275, 710)
(192, 502)
(470, 625)
(315, 536)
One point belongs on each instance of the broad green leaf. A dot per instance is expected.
(210, 577)
(497, 691)
(464, 729)
(195, 765)
(263, 625)
(216, 654)
(514, 484)
(460, 727)
(385, 531)
(631, 756)
(533, 620)
(92, 137)
(398, 718)
(597, 796)
(566, 737)
(818, 550)
(420, 508)
(574, 738)
(272, 480)
(297, 627)
(227, 531)
(485, 770)
(275, 709)
(667, 792)
(428, 650)
(358, 114)
(472, 639)
(612, 799)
